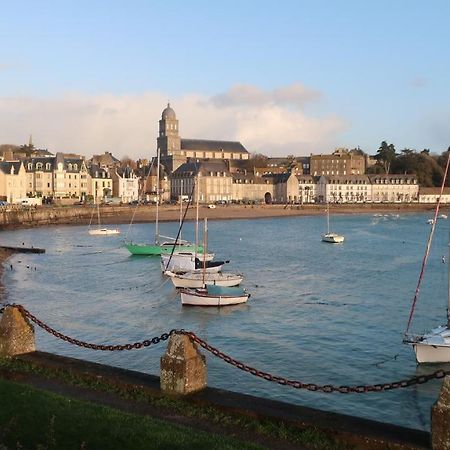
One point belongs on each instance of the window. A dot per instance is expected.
(48, 166)
(30, 166)
(39, 166)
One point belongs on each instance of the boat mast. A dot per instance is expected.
(205, 246)
(328, 218)
(157, 198)
(181, 205)
(448, 284)
(98, 214)
(196, 215)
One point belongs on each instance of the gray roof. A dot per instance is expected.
(5, 166)
(207, 145)
(203, 167)
(44, 161)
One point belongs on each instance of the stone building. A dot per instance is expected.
(394, 188)
(13, 181)
(40, 178)
(175, 151)
(70, 177)
(249, 187)
(293, 188)
(212, 179)
(340, 162)
(431, 195)
(125, 184)
(344, 189)
(101, 184)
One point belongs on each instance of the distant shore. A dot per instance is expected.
(143, 214)
(126, 214)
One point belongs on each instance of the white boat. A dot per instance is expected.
(101, 231)
(434, 346)
(182, 264)
(332, 238)
(430, 221)
(442, 216)
(200, 280)
(214, 296)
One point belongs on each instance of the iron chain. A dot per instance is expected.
(136, 345)
(327, 388)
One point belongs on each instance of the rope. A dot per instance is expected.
(428, 247)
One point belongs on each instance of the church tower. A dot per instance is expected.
(169, 141)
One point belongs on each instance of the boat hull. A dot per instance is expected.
(333, 238)
(157, 250)
(217, 279)
(104, 232)
(192, 298)
(427, 353)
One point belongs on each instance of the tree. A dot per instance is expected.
(127, 161)
(386, 155)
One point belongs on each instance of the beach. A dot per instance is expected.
(143, 213)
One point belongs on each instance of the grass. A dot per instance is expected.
(34, 419)
(310, 437)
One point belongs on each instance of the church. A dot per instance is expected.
(175, 151)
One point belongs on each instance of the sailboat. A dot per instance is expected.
(211, 294)
(434, 346)
(330, 237)
(101, 231)
(170, 244)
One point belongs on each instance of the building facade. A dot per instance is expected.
(13, 181)
(340, 162)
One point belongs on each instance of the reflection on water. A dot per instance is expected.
(318, 313)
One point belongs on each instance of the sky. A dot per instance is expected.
(283, 78)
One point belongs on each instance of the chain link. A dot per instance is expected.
(136, 345)
(327, 388)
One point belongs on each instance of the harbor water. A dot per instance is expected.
(318, 313)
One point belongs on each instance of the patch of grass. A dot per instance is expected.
(30, 418)
(310, 437)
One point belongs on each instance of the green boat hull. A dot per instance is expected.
(157, 250)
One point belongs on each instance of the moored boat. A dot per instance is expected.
(200, 280)
(214, 296)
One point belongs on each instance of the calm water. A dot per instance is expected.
(318, 313)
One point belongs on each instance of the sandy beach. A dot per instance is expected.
(140, 214)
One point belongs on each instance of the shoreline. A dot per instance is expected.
(145, 214)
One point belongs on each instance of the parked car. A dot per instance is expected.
(211, 206)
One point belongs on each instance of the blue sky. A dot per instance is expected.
(287, 77)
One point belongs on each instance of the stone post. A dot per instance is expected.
(183, 367)
(16, 333)
(440, 418)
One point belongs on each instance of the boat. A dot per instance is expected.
(200, 280)
(434, 346)
(170, 245)
(214, 296)
(442, 216)
(182, 263)
(332, 238)
(101, 231)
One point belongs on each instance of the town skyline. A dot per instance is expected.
(292, 78)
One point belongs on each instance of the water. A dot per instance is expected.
(318, 313)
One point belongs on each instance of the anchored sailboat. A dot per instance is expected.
(432, 347)
(101, 231)
(165, 247)
(332, 238)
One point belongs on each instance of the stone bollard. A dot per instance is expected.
(440, 418)
(16, 333)
(183, 367)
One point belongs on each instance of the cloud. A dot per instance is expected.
(296, 95)
(127, 125)
(419, 82)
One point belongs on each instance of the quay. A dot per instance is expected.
(23, 249)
